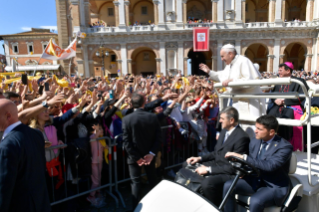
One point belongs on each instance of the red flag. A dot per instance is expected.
(200, 39)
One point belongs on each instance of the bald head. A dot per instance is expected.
(8, 113)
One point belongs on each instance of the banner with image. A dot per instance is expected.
(200, 39)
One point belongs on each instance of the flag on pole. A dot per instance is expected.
(200, 39)
(14, 65)
(54, 52)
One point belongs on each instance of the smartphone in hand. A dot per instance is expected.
(24, 79)
(47, 87)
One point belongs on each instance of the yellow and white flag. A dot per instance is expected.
(54, 52)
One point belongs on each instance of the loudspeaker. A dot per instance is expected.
(169, 196)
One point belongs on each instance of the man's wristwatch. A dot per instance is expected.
(45, 104)
(208, 169)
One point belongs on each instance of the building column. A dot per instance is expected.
(238, 13)
(122, 14)
(184, 2)
(124, 58)
(163, 57)
(270, 63)
(220, 13)
(276, 55)
(308, 62)
(238, 46)
(219, 61)
(180, 56)
(214, 63)
(271, 12)
(214, 10)
(317, 55)
(119, 67)
(87, 71)
(160, 11)
(158, 65)
(316, 11)
(281, 58)
(179, 11)
(186, 67)
(116, 13)
(87, 14)
(75, 13)
(278, 15)
(243, 10)
(155, 3)
(283, 10)
(314, 53)
(91, 67)
(309, 10)
(129, 66)
(127, 12)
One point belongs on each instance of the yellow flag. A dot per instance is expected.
(62, 82)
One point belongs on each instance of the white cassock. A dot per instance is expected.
(239, 70)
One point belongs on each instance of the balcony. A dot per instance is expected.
(259, 25)
(190, 26)
(297, 24)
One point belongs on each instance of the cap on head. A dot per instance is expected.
(290, 65)
(229, 48)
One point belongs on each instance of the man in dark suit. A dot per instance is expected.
(271, 155)
(278, 107)
(22, 164)
(141, 137)
(215, 165)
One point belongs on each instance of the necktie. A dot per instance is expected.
(226, 136)
(262, 151)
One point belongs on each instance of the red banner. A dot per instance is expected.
(200, 39)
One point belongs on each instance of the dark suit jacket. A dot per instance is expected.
(22, 171)
(294, 87)
(141, 134)
(238, 141)
(149, 107)
(274, 168)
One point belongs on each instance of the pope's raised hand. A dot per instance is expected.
(204, 68)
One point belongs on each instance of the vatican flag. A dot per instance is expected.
(54, 52)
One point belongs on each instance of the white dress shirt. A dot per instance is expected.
(228, 133)
(261, 146)
(10, 128)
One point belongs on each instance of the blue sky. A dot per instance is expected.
(22, 15)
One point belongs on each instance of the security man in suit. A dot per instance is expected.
(215, 165)
(22, 164)
(141, 136)
(271, 155)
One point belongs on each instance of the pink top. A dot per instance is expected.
(97, 151)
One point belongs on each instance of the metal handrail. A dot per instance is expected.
(277, 81)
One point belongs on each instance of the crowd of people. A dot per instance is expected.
(74, 110)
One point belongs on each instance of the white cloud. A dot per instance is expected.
(26, 28)
(55, 28)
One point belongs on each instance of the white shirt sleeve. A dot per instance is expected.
(195, 106)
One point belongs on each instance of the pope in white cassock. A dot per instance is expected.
(239, 68)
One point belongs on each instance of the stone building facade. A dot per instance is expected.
(26, 48)
(155, 36)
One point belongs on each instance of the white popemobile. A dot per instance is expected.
(304, 167)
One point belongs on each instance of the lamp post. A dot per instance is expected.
(102, 55)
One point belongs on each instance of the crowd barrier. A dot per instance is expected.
(173, 154)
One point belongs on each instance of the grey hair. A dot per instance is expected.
(229, 48)
(231, 112)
